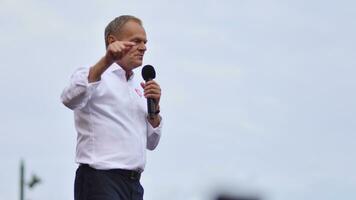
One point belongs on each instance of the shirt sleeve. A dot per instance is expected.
(153, 135)
(77, 94)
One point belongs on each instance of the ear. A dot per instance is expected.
(111, 39)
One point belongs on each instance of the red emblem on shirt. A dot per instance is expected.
(139, 93)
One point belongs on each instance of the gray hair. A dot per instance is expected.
(115, 26)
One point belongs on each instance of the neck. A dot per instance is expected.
(127, 69)
(128, 74)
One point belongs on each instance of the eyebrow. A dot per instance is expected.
(138, 38)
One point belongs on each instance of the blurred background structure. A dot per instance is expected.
(256, 94)
(35, 180)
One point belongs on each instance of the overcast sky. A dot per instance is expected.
(258, 96)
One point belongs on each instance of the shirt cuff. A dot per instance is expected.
(77, 94)
(82, 78)
(156, 130)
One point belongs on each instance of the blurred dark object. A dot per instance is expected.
(34, 181)
(231, 197)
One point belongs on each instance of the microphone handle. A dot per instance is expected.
(151, 106)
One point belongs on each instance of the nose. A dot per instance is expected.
(142, 46)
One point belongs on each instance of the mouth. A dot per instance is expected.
(140, 56)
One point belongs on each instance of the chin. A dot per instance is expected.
(137, 64)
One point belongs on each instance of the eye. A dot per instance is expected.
(137, 41)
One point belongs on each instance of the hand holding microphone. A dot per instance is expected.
(152, 91)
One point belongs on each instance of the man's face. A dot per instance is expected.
(133, 32)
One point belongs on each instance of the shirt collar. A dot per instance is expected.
(115, 68)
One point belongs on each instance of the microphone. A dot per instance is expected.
(148, 73)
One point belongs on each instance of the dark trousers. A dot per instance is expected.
(116, 184)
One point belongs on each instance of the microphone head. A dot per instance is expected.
(148, 72)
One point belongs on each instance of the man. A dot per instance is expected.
(111, 116)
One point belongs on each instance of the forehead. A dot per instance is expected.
(131, 30)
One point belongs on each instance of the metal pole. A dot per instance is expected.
(22, 180)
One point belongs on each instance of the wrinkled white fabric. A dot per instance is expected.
(111, 120)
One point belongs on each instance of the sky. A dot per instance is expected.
(257, 96)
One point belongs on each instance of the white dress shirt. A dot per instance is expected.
(111, 120)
